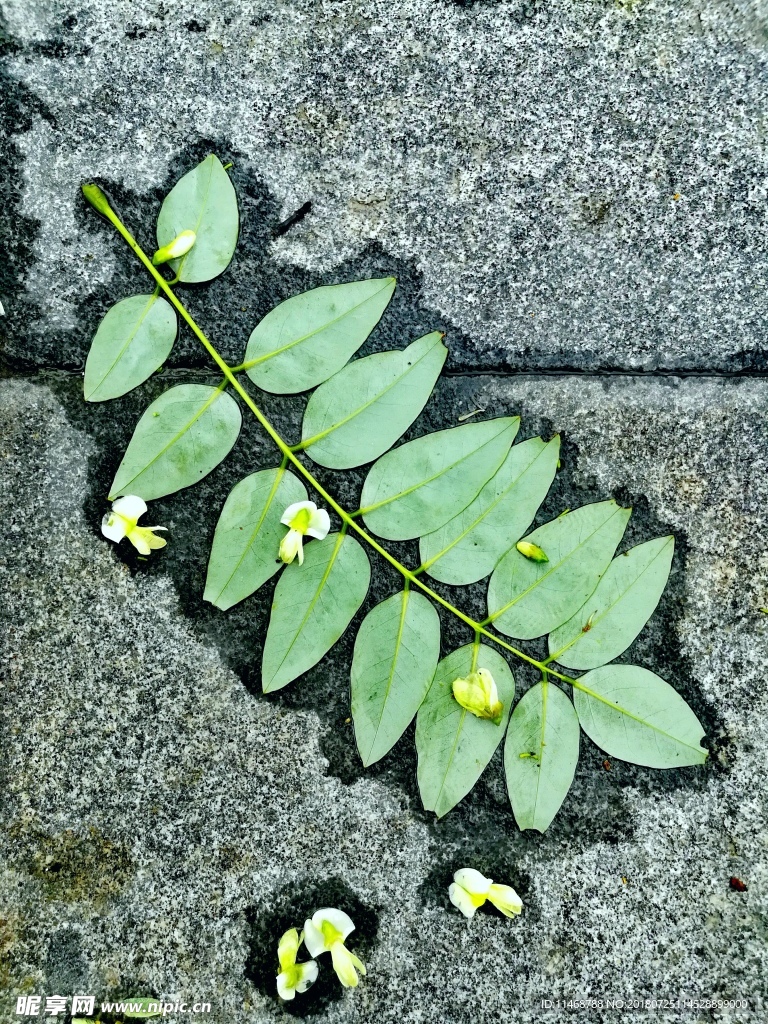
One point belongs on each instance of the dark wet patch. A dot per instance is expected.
(71, 866)
(291, 907)
(228, 308)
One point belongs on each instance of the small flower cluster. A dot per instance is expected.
(303, 519)
(324, 932)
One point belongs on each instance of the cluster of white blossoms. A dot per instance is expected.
(303, 519)
(324, 932)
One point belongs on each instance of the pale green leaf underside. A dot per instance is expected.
(309, 337)
(203, 201)
(419, 486)
(313, 605)
(634, 715)
(132, 341)
(248, 535)
(614, 614)
(527, 599)
(396, 654)
(362, 410)
(544, 724)
(470, 545)
(181, 437)
(453, 745)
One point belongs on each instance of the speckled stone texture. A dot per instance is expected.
(559, 186)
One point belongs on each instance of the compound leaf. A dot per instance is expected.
(470, 545)
(634, 715)
(248, 535)
(362, 410)
(396, 654)
(540, 755)
(181, 437)
(419, 486)
(527, 598)
(615, 613)
(453, 745)
(203, 201)
(309, 337)
(132, 341)
(313, 605)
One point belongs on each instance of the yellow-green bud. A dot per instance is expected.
(532, 551)
(478, 695)
(97, 199)
(180, 246)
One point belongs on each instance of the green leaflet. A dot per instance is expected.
(362, 410)
(203, 201)
(545, 725)
(470, 545)
(396, 654)
(527, 599)
(634, 715)
(132, 341)
(313, 605)
(453, 745)
(419, 486)
(309, 337)
(181, 437)
(248, 535)
(621, 605)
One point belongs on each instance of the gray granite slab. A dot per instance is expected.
(578, 183)
(163, 821)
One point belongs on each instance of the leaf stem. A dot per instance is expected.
(348, 520)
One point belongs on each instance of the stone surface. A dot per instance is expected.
(164, 821)
(578, 183)
(572, 185)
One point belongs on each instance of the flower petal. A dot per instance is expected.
(319, 524)
(130, 506)
(292, 511)
(290, 546)
(342, 922)
(473, 881)
(114, 527)
(288, 948)
(344, 965)
(285, 987)
(307, 975)
(505, 899)
(314, 939)
(460, 898)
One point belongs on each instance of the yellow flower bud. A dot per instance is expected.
(97, 199)
(478, 695)
(532, 551)
(180, 246)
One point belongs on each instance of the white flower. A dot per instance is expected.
(478, 695)
(293, 977)
(325, 933)
(122, 522)
(180, 246)
(303, 518)
(469, 890)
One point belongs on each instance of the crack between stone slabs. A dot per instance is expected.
(177, 371)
